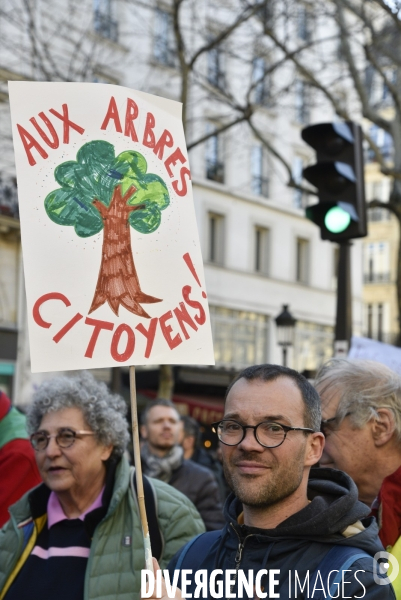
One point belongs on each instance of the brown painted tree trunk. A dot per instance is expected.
(118, 283)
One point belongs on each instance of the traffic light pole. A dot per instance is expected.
(343, 330)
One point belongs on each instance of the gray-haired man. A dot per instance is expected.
(361, 410)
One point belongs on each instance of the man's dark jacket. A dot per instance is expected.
(200, 486)
(300, 542)
(205, 459)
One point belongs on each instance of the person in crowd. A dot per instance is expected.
(361, 408)
(18, 470)
(191, 444)
(284, 517)
(78, 535)
(163, 458)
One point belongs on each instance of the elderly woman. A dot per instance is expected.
(78, 535)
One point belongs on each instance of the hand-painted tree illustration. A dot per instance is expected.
(103, 191)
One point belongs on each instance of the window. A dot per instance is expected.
(376, 87)
(313, 345)
(215, 67)
(302, 261)
(8, 197)
(380, 322)
(376, 320)
(239, 337)
(260, 181)
(297, 174)
(261, 256)
(215, 252)
(164, 49)
(304, 28)
(383, 141)
(214, 165)
(301, 102)
(260, 82)
(379, 214)
(392, 78)
(369, 80)
(376, 262)
(370, 320)
(378, 190)
(266, 13)
(103, 22)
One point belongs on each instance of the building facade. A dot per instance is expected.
(380, 258)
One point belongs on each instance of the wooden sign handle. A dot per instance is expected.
(138, 470)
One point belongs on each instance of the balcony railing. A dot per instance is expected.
(379, 214)
(215, 171)
(260, 186)
(377, 277)
(105, 26)
(383, 336)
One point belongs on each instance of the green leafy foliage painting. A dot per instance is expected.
(101, 191)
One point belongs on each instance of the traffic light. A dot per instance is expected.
(339, 178)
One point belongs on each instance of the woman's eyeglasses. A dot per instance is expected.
(64, 438)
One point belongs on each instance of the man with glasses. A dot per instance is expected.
(284, 519)
(361, 408)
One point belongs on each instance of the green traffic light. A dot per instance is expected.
(337, 220)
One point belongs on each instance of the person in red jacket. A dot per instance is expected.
(18, 470)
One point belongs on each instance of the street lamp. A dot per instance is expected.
(285, 331)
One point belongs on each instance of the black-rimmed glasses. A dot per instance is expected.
(64, 438)
(267, 433)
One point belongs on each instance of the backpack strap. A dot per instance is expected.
(338, 558)
(196, 549)
(156, 538)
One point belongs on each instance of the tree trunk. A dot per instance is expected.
(118, 282)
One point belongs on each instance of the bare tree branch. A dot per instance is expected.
(391, 87)
(218, 131)
(266, 143)
(360, 88)
(247, 13)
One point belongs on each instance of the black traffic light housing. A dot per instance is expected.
(338, 176)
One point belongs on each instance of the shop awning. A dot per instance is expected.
(205, 409)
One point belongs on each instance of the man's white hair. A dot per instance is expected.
(364, 387)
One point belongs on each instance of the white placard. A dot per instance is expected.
(367, 349)
(113, 268)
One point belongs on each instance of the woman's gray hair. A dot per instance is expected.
(103, 411)
(364, 387)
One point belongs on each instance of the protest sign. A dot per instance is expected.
(367, 349)
(112, 261)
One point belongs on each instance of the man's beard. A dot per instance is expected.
(163, 446)
(282, 481)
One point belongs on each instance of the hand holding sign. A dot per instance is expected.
(87, 244)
